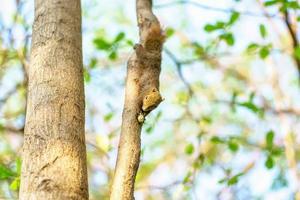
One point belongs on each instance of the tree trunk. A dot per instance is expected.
(54, 152)
(141, 96)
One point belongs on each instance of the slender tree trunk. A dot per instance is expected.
(141, 96)
(54, 152)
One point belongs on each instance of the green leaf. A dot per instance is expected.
(198, 49)
(129, 42)
(298, 18)
(220, 25)
(233, 18)
(216, 139)
(269, 162)
(201, 158)
(93, 63)
(108, 117)
(276, 151)
(269, 139)
(6, 173)
(264, 52)
(262, 30)
(15, 184)
(18, 166)
(271, 2)
(252, 47)
(234, 180)
(169, 32)
(217, 26)
(187, 177)
(223, 180)
(228, 37)
(297, 52)
(182, 97)
(102, 44)
(158, 116)
(206, 119)
(233, 146)
(149, 129)
(113, 55)
(292, 5)
(189, 149)
(119, 37)
(250, 106)
(87, 76)
(209, 28)
(1, 128)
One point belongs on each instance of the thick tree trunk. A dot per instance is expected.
(141, 96)
(54, 152)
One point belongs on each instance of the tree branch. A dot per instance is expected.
(13, 129)
(206, 7)
(141, 97)
(295, 41)
(266, 108)
(179, 70)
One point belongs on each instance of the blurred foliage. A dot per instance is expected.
(229, 125)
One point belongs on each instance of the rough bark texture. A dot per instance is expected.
(54, 152)
(141, 96)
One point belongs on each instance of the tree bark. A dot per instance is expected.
(141, 97)
(54, 152)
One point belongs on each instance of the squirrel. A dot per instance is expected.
(150, 101)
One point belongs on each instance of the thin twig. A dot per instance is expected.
(9, 94)
(155, 187)
(267, 108)
(179, 70)
(14, 129)
(293, 35)
(206, 7)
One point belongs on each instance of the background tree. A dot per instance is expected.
(54, 156)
